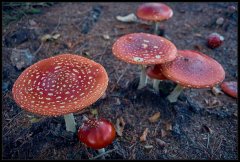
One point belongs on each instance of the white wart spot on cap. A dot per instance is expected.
(138, 59)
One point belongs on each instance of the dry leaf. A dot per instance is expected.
(129, 18)
(216, 91)
(148, 146)
(168, 126)
(161, 142)
(106, 37)
(56, 36)
(213, 102)
(205, 128)
(144, 135)
(46, 37)
(120, 126)
(155, 117)
(163, 133)
(35, 120)
(94, 112)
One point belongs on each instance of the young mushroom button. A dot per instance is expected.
(230, 88)
(194, 70)
(97, 133)
(60, 85)
(144, 49)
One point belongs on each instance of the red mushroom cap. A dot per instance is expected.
(60, 85)
(154, 72)
(194, 69)
(143, 48)
(230, 88)
(154, 11)
(97, 133)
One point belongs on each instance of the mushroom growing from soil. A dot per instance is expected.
(155, 73)
(144, 49)
(230, 88)
(60, 85)
(97, 133)
(192, 69)
(155, 12)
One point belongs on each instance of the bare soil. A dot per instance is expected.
(199, 131)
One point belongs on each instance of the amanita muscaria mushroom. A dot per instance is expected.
(144, 49)
(230, 88)
(155, 73)
(192, 69)
(155, 12)
(60, 85)
(97, 133)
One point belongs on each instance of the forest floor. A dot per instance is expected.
(200, 125)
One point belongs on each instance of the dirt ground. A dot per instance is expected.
(192, 128)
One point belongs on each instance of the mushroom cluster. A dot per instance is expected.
(144, 49)
(60, 85)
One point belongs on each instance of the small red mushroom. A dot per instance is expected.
(144, 49)
(97, 133)
(155, 73)
(194, 70)
(60, 85)
(155, 12)
(230, 88)
(214, 40)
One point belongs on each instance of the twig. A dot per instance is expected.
(100, 155)
(123, 73)
(54, 30)
(38, 49)
(208, 140)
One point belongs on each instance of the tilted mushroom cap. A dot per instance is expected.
(154, 12)
(194, 69)
(230, 88)
(143, 48)
(154, 72)
(60, 85)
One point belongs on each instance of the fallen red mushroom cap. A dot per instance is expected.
(154, 72)
(154, 11)
(143, 48)
(97, 133)
(60, 85)
(230, 88)
(194, 69)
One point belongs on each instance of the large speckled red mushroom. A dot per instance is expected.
(144, 49)
(155, 12)
(155, 73)
(192, 69)
(97, 133)
(230, 88)
(60, 85)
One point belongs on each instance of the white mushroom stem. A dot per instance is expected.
(70, 122)
(101, 151)
(143, 77)
(156, 26)
(156, 84)
(175, 93)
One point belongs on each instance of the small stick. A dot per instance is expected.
(95, 157)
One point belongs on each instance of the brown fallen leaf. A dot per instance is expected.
(163, 133)
(168, 126)
(213, 102)
(161, 142)
(120, 126)
(144, 135)
(155, 117)
(205, 129)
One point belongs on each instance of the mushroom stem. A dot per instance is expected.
(156, 84)
(70, 122)
(101, 151)
(175, 93)
(156, 26)
(143, 77)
